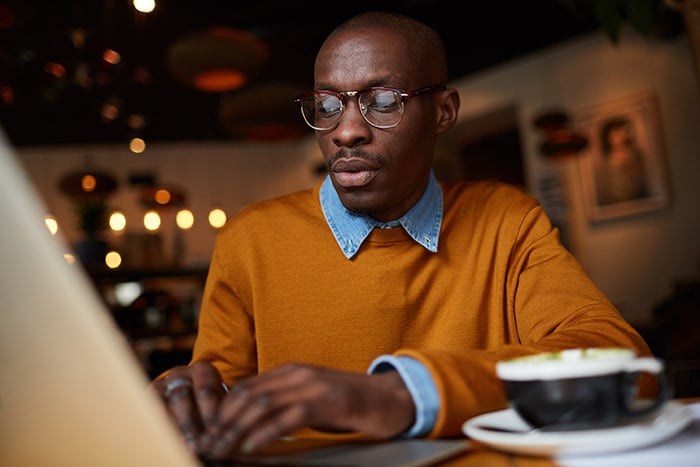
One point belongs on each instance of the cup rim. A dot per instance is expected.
(570, 363)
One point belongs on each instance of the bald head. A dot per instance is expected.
(426, 46)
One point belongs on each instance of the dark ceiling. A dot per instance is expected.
(41, 106)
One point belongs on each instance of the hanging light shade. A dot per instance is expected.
(263, 112)
(88, 184)
(562, 142)
(559, 139)
(157, 197)
(551, 119)
(218, 59)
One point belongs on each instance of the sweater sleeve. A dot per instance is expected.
(554, 305)
(226, 331)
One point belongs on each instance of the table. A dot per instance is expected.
(480, 455)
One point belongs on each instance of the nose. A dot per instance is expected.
(352, 129)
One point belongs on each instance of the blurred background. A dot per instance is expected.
(74, 71)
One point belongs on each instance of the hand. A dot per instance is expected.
(192, 396)
(259, 410)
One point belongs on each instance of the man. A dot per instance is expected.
(378, 302)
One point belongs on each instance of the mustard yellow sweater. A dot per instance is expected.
(279, 290)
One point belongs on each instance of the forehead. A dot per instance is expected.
(361, 58)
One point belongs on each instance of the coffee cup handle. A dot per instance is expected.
(655, 367)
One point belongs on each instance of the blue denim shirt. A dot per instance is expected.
(422, 222)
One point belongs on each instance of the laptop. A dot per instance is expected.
(71, 391)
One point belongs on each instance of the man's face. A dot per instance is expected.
(380, 172)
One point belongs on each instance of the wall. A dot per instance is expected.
(635, 261)
(220, 174)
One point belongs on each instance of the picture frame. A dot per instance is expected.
(624, 166)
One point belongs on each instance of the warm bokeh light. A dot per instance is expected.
(151, 220)
(88, 183)
(126, 292)
(184, 219)
(144, 6)
(110, 112)
(111, 56)
(7, 95)
(51, 224)
(117, 221)
(70, 258)
(136, 121)
(55, 69)
(137, 145)
(217, 218)
(219, 80)
(113, 260)
(162, 196)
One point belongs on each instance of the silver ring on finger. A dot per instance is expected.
(176, 383)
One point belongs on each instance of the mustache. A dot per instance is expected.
(357, 154)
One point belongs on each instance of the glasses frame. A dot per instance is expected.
(341, 95)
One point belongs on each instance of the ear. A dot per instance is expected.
(447, 111)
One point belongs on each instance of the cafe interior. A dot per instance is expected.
(144, 126)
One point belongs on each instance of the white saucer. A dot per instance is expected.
(665, 423)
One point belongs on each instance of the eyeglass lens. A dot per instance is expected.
(381, 108)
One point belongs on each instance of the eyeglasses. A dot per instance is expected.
(381, 107)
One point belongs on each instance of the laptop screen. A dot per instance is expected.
(71, 392)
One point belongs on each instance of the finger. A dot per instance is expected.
(160, 383)
(180, 402)
(208, 391)
(251, 419)
(240, 411)
(259, 425)
(282, 379)
(269, 430)
(244, 394)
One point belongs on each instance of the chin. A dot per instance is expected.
(358, 203)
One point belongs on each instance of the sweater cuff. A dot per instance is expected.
(419, 384)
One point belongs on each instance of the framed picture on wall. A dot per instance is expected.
(624, 167)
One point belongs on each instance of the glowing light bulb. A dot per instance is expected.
(137, 145)
(88, 183)
(162, 196)
(144, 6)
(117, 221)
(151, 220)
(113, 259)
(217, 217)
(184, 219)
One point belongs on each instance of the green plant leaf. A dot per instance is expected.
(640, 14)
(607, 12)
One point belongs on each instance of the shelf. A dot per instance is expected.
(161, 322)
(124, 275)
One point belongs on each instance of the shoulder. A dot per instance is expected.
(272, 214)
(491, 206)
(487, 194)
(491, 209)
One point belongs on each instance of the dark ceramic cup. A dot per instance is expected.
(580, 388)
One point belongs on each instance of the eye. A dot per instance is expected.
(383, 101)
(328, 106)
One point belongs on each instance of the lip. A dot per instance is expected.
(353, 172)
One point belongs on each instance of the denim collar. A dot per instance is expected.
(422, 222)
